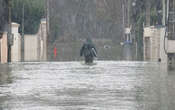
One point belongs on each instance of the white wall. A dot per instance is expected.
(35, 46)
(30, 48)
(171, 46)
(42, 36)
(16, 49)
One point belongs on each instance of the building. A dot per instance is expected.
(128, 37)
(159, 41)
(154, 43)
(157, 46)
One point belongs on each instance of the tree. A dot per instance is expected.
(34, 10)
(85, 18)
(3, 15)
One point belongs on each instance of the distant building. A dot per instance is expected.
(127, 36)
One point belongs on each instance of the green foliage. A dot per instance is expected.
(153, 16)
(33, 12)
(3, 15)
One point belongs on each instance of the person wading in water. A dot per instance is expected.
(89, 51)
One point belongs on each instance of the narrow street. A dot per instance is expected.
(108, 85)
(87, 54)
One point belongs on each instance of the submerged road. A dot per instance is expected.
(108, 85)
(127, 52)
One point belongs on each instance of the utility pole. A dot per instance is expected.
(9, 35)
(167, 9)
(123, 12)
(22, 40)
(47, 14)
(129, 7)
(164, 12)
(47, 4)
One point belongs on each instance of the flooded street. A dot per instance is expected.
(108, 85)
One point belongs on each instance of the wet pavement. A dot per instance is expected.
(106, 85)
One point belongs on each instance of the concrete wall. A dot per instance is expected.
(30, 48)
(4, 48)
(16, 47)
(171, 46)
(154, 44)
(35, 46)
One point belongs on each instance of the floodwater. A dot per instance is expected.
(107, 85)
(127, 52)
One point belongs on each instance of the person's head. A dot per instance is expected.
(88, 40)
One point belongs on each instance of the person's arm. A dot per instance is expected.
(94, 48)
(81, 51)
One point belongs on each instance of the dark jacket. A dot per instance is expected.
(88, 50)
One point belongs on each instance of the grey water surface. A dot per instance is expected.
(107, 85)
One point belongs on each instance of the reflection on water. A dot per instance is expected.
(5, 74)
(74, 86)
